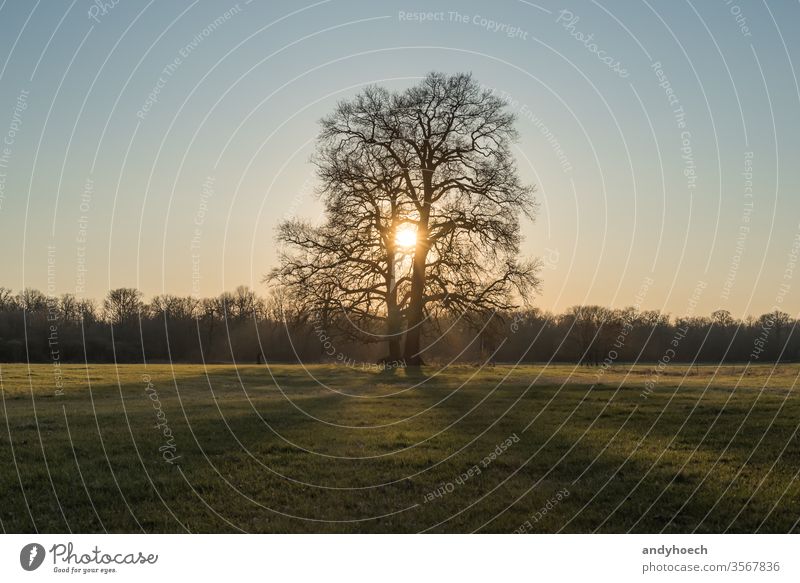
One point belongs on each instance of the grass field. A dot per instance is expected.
(338, 449)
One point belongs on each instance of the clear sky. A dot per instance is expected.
(157, 145)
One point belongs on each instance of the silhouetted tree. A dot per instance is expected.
(244, 327)
(585, 325)
(122, 305)
(437, 157)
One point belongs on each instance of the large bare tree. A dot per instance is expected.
(349, 270)
(434, 160)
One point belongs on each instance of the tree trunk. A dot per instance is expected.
(393, 320)
(416, 307)
(416, 312)
(394, 334)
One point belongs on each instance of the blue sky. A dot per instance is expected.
(182, 193)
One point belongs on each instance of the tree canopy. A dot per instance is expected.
(423, 204)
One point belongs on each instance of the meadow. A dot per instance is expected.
(323, 448)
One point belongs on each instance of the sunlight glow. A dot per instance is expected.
(406, 237)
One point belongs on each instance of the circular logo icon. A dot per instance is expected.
(31, 556)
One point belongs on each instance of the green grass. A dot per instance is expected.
(711, 451)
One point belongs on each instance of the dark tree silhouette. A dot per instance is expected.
(436, 157)
(585, 325)
(350, 269)
(122, 305)
(242, 326)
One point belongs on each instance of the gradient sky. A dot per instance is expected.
(222, 155)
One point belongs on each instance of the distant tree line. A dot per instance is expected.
(243, 326)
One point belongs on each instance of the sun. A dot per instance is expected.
(406, 237)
